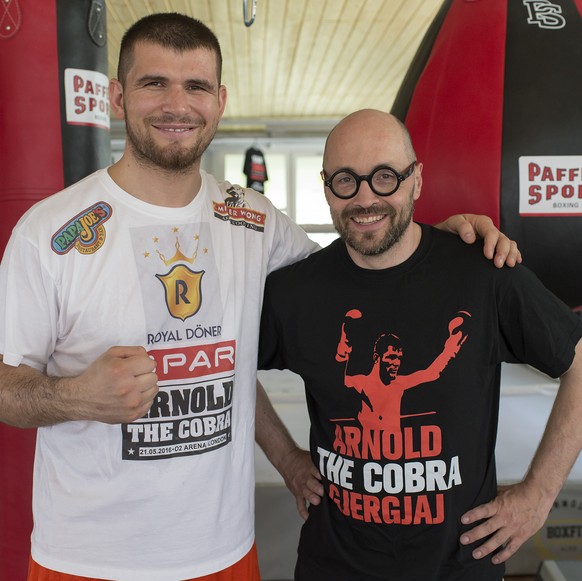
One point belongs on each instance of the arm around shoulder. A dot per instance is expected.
(496, 245)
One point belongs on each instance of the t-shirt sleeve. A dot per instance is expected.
(536, 327)
(290, 243)
(28, 312)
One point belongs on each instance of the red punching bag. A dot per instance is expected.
(54, 130)
(493, 102)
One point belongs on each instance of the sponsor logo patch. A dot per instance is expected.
(240, 216)
(236, 210)
(183, 286)
(85, 232)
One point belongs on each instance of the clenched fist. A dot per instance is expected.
(118, 387)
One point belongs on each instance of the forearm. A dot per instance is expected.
(294, 464)
(30, 399)
(118, 387)
(562, 439)
(270, 432)
(520, 510)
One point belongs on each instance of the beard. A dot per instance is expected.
(371, 244)
(173, 157)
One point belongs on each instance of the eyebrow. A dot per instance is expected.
(162, 79)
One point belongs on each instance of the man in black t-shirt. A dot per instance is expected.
(408, 475)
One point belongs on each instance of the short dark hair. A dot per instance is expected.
(170, 30)
(383, 342)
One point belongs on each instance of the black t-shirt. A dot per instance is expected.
(401, 369)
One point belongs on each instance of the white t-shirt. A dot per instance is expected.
(170, 496)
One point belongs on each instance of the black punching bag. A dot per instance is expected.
(493, 101)
(54, 130)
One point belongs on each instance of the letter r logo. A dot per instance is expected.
(183, 288)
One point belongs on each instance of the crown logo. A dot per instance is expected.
(178, 257)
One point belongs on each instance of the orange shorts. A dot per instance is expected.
(247, 569)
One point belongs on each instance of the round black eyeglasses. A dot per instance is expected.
(383, 181)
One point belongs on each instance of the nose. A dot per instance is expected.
(365, 196)
(176, 100)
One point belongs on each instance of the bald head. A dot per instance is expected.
(377, 228)
(369, 137)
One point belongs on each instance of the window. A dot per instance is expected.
(310, 204)
(275, 186)
(294, 185)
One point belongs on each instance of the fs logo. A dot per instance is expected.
(545, 14)
(182, 285)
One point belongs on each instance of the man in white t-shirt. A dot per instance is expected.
(129, 328)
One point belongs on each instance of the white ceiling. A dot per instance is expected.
(302, 62)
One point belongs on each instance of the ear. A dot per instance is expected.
(116, 98)
(222, 94)
(417, 181)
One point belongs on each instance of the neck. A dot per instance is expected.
(154, 185)
(397, 254)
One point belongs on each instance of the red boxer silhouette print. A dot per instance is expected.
(382, 389)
